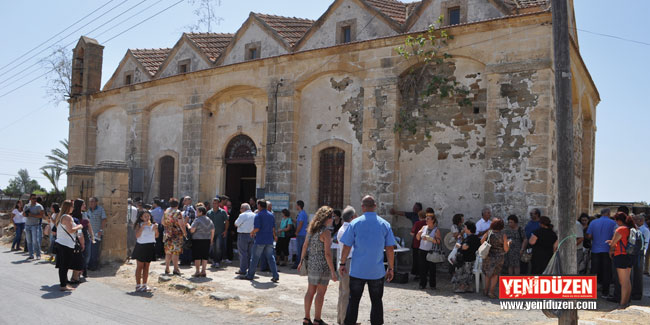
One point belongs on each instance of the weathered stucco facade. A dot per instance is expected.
(498, 152)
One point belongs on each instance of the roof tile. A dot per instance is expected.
(395, 10)
(520, 4)
(212, 44)
(151, 59)
(290, 29)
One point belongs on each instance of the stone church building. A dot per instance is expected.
(308, 109)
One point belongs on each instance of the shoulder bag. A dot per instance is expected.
(435, 255)
(484, 249)
(77, 245)
(527, 255)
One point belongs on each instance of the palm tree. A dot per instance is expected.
(58, 158)
(52, 174)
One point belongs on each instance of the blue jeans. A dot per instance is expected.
(33, 235)
(218, 248)
(258, 250)
(376, 290)
(300, 240)
(87, 253)
(244, 244)
(20, 227)
(93, 263)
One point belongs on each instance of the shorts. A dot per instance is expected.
(145, 253)
(622, 261)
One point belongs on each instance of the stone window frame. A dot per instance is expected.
(257, 46)
(352, 24)
(445, 6)
(188, 66)
(315, 170)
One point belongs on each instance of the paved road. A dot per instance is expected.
(29, 294)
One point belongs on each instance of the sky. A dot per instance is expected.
(32, 125)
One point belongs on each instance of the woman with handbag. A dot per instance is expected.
(317, 256)
(173, 235)
(493, 262)
(430, 239)
(68, 246)
(465, 259)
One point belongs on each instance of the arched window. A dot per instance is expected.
(241, 150)
(166, 177)
(331, 177)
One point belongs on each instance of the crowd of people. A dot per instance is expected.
(612, 247)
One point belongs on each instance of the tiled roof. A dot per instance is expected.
(151, 59)
(410, 7)
(520, 4)
(393, 9)
(289, 28)
(212, 44)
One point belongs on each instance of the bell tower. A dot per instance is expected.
(87, 59)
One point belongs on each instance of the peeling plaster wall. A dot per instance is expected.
(367, 26)
(269, 45)
(111, 135)
(331, 108)
(453, 160)
(184, 52)
(164, 135)
(476, 10)
(130, 66)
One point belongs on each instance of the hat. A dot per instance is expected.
(449, 241)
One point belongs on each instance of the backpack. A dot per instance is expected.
(634, 242)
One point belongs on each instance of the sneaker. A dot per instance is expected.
(30, 258)
(146, 288)
(227, 261)
(38, 257)
(138, 288)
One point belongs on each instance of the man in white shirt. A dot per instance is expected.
(245, 224)
(483, 225)
(344, 279)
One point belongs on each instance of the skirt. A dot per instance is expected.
(144, 252)
(200, 249)
(66, 258)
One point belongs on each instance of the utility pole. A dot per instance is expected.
(565, 168)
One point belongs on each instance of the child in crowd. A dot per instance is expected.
(144, 252)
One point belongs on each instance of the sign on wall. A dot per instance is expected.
(279, 201)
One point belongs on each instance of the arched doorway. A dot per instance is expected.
(166, 180)
(240, 170)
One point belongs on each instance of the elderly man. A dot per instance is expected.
(483, 225)
(34, 213)
(369, 235)
(245, 224)
(219, 218)
(97, 217)
(347, 216)
(638, 260)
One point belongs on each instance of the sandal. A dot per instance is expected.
(167, 272)
(319, 322)
(177, 273)
(492, 296)
(196, 275)
(203, 274)
(307, 321)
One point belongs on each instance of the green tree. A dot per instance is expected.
(23, 183)
(58, 158)
(53, 174)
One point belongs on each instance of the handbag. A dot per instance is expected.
(77, 245)
(526, 256)
(484, 249)
(435, 255)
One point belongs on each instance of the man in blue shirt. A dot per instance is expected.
(157, 213)
(529, 229)
(264, 234)
(599, 231)
(97, 217)
(301, 229)
(369, 235)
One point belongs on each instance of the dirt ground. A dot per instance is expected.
(282, 303)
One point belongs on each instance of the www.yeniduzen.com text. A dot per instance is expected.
(547, 304)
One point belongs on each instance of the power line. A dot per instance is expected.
(26, 83)
(122, 13)
(59, 33)
(613, 36)
(140, 23)
(63, 38)
(125, 20)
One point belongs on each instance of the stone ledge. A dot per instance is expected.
(115, 165)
